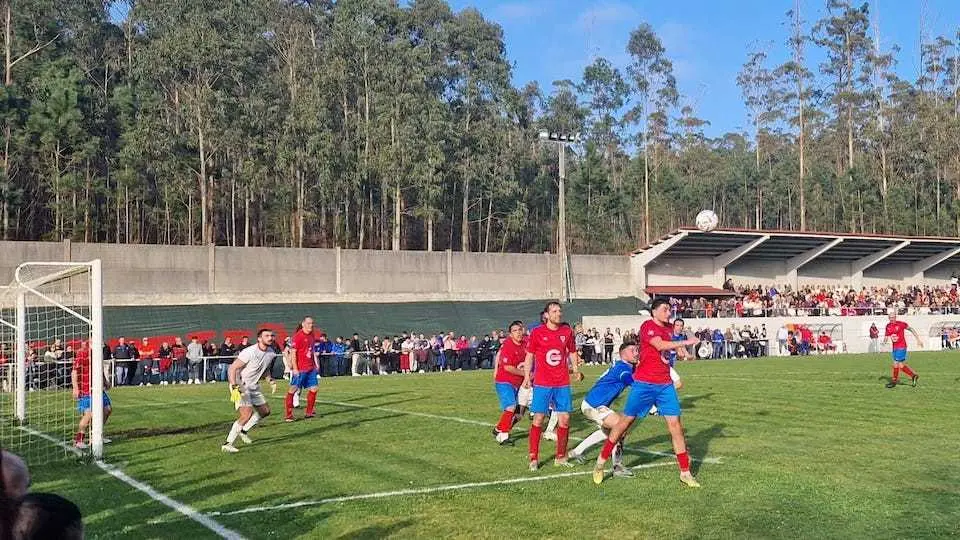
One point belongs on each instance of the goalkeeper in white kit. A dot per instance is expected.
(244, 376)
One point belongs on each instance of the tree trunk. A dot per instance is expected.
(646, 190)
(465, 216)
(301, 204)
(430, 231)
(88, 185)
(190, 219)
(486, 240)
(397, 207)
(248, 196)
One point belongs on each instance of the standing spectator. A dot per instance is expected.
(608, 347)
(463, 348)
(178, 354)
(423, 354)
(406, 349)
(122, 355)
(145, 365)
(474, 358)
(210, 353)
(228, 353)
(782, 335)
(386, 354)
(339, 351)
(195, 359)
(874, 338)
(356, 356)
(165, 356)
(449, 348)
(374, 346)
(764, 344)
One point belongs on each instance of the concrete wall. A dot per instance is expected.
(757, 272)
(825, 273)
(680, 271)
(184, 275)
(852, 331)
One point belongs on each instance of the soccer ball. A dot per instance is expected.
(707, 220)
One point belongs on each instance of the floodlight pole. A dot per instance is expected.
(562, 140)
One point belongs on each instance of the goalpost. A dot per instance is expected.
(49, 314)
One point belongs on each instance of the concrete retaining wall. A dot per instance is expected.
(189, 275)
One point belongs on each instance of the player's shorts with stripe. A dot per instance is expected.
(595, 414)
(84, 403)
(304, 379)
(559, 396)
(899, 355)
(251, 396)
(507, 393)
(643, 395)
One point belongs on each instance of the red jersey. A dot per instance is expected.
(895, 331)
(511, 354)
(551, 349)
(654, 366)
(303, 343)
(81, 363)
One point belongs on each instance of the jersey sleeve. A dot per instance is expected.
(244, 355)
(532, 342)
(571, 343)
(647, 332)
(626, 376)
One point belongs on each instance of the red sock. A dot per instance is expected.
(79, 437)
(563, 435)
(311, 401)
(535, 432)
(683, 459)
(909, 372)
(506, 422)
(288, 405)
(607, 451)
(896, 374)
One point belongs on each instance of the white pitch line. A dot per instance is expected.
(420, 491)
(713, 461)
(187, 511)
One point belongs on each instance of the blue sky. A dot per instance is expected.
(708, 40)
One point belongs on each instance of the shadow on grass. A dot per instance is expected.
(377, 531)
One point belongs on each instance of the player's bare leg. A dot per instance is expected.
(680, 449)
(85, 420)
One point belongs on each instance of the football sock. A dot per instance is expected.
(563, 435)
(311, 401)
(234, 431)
(683, 460)
(534, 437)
(896, 374)
(909, 372)
(552, 424)
(288, 405)
(593, 439)
(78, 437)
(251, 422)
(506, 422)
(607, 450)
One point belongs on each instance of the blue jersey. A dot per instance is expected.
(610, 385)
(672, 355)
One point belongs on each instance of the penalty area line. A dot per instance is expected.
(147, 490)
(420, 491)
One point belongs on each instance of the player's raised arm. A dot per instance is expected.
(661, 344)
(916, 335)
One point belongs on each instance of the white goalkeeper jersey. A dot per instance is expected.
(255, 363)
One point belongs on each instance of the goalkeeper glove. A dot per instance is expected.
(235, 393)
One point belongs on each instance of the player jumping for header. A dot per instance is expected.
(244, 375)
(895, 334)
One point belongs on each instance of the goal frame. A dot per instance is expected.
(27, 287)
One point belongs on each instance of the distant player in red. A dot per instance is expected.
(80, 380)
(553, 346)
(652, 385)
(895, 333)
(507, 378)
(303, 372)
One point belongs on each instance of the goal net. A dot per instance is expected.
(50, 316)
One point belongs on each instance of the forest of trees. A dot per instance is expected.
(378, 125)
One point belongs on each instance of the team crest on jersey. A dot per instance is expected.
(563, 339)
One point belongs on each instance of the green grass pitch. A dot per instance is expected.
(790, 448)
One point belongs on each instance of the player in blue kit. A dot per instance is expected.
(596, 407)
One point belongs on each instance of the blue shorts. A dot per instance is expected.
(643, 395)
(84, 403)
(559, 396)
(507, 394)
(899, 355)
(304, 379)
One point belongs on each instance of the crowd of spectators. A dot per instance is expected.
(774, 301)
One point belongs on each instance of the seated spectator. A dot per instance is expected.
(825, 343)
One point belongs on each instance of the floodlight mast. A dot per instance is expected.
(562, 140)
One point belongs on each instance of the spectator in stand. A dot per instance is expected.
(228, 353)
(178, 353)
(165, 363)
(195, 360)
(122, 355)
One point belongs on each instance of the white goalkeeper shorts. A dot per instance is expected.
(524, 396)
(252, 397)
(595, 414)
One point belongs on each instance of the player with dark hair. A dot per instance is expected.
(47, 515)
(303, 372)
(552, 346)
(244, 375)
(80, 381)
(895, 333)
(652, 386)
(507, 377)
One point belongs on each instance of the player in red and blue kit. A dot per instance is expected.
(596, 407)
(508, 376)
(80, 380)
(303, 373)
(895, 333)
(652, 386)
(551, 346)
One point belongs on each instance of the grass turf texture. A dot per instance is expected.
(811, 447)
